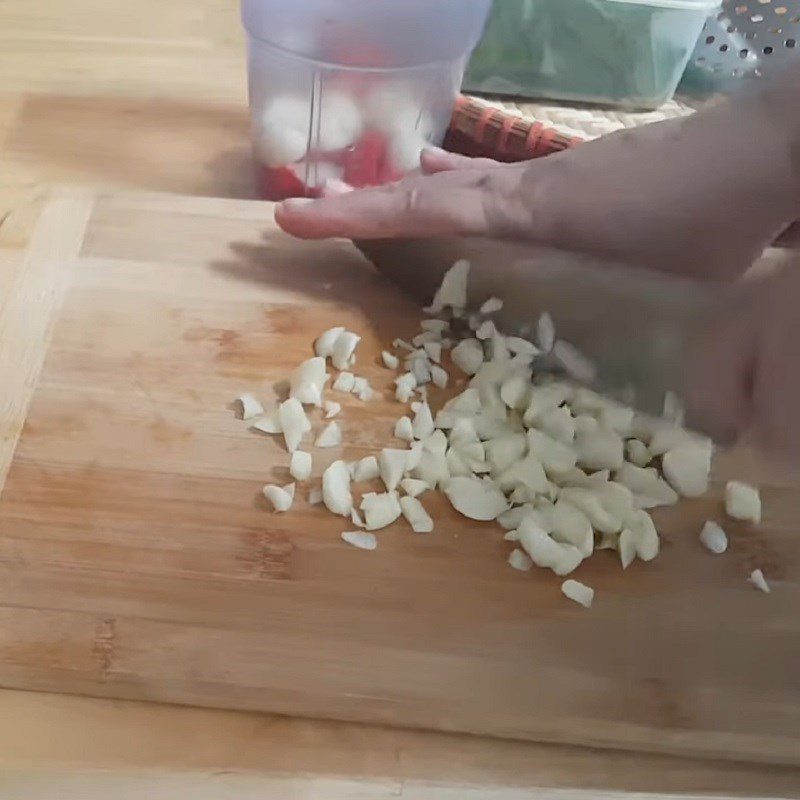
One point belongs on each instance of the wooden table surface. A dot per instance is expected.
(151, 96)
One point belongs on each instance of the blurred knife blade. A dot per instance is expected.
(636, 326)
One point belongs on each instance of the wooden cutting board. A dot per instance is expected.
(137, 559)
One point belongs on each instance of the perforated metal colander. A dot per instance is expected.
(746, 40)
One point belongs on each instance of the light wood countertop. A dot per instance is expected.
(151, 96)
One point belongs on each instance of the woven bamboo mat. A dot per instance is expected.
(510, 131)
(589, 122)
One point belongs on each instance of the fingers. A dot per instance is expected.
(452, 197)
(434, 160)
(420, 206)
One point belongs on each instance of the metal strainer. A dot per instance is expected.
(747, 39)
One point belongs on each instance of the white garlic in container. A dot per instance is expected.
(281, 135)
(286, 132)
(340, 123)
(394, 110)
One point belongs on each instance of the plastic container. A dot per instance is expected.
(352, 89)
(628, 53)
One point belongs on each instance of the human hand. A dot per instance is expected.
(700, 196)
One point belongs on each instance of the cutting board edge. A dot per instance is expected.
(46, 273)
(695, 745)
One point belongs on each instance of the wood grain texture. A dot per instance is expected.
(139, 745)
(170, 115)
(137, 560)
(31, 302)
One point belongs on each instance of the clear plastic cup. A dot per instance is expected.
(352, 89)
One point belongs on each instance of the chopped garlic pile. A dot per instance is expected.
(563, 470)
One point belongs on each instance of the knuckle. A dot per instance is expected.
(412, 202)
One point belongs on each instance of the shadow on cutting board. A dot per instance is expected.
(333, 273)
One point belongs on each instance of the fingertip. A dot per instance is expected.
(289, 215)
(296, 204)
(334, 187)
(278, 214)
(435, 159)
